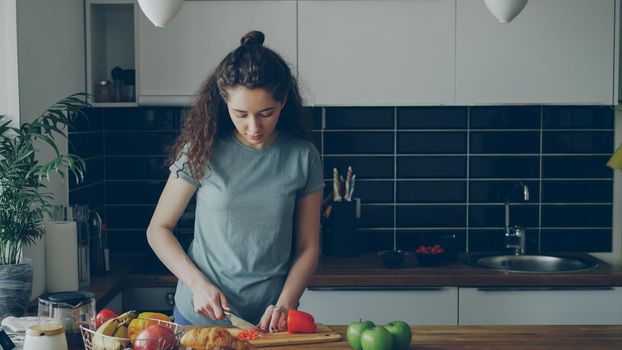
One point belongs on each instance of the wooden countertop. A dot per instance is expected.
(498, 338)
(367, 271)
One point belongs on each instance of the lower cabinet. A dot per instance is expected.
(149, 299)
(558, 306)
(432, 306)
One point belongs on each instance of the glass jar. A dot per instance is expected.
(102, 91)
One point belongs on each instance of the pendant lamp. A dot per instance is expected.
(505, 10)
(160, 12)
(615, 162)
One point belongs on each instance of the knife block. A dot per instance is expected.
(340, 229)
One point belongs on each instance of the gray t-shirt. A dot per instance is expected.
(244, 221)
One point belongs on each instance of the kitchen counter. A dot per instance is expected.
(498, 337)
(365, 271)
(368, 271)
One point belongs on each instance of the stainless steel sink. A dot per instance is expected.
(533, 263)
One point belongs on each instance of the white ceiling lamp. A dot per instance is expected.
(505, 10)
(160, 12)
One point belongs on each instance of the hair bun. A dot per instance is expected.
(254, 37)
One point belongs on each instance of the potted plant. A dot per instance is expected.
(24, 201)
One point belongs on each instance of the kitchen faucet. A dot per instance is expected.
(515, 237)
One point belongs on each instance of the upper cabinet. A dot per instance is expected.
(175, 60)
(110, 52)
(376, 52)
(555, 51)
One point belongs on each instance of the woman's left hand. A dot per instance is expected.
(274, 319)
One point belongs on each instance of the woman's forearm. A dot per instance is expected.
(301, 271)
(172, 255)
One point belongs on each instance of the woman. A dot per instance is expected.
(258, 193)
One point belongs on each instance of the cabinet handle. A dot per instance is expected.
(519, 289)
(376, 288)
(169, 298)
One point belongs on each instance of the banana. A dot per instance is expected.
(126, 317)
(121, 332)
(109, 327)
(107, 336)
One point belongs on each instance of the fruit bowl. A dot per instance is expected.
(430, 255)
(394, 259)
(96, 341)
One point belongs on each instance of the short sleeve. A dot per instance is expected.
(315, 177)
(183, 170)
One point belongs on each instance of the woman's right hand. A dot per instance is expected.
(209, 301)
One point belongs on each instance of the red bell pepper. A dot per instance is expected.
(300, 322)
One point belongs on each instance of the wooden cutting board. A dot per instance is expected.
(322, 335)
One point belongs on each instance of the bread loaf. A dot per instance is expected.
(213, 338)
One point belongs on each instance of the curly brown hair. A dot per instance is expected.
(252, 66)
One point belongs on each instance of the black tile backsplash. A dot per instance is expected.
(431, 191)
(525, 215)
(504, 142)
(577, 191)
(431, 216)
(577, 117)
(494, 167)
(367, 167)
(422, 142)
(359, 118)
(495, 191)
(358, 143)
(423, 173)
(138, 143)
(576, 142)
(432, 167)
(432, 118)
(505, 117)
(576, 167)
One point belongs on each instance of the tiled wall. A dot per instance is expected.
(423, 172)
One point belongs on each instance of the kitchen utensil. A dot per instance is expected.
(81, 217)
(238, 321)
(323, 334)
(45, 336)
(336, 186)
(68, 309)
(97, 263)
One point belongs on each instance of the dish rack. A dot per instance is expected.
(88, 331)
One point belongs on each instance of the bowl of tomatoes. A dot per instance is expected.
(430, 255)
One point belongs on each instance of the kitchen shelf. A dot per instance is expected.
(110, 42)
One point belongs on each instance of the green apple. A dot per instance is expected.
(354, 331)
(377, 338)
(401, 333)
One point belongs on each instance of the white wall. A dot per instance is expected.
(9, 103)
(50, 50)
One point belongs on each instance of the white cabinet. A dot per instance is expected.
(175, 60)
(376, 52)
(555, 51)
(433, 306)
(540, 306)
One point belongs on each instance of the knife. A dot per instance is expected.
(238, 321)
